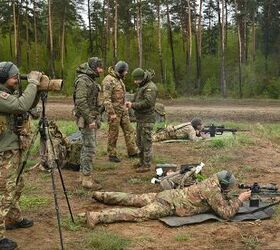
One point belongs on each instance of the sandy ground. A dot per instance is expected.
(254, 158)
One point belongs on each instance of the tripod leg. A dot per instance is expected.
(57, 209)
(65, 192)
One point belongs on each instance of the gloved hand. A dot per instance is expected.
(34, 77)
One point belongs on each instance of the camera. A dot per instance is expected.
(47, 84)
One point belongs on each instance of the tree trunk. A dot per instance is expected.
(115, 40)
(159, 42)
(62, 53)
(139, 32)
(89, 30)
(198, 48)
(27, 38)
(52, 67)
(189, 27)
(11, 43)
(254, 36)
(171, 45)
(35, 32)
(15, 29)
(222, 67)
(239, 48)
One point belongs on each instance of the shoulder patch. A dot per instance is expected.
(4, 95)
(149, 90)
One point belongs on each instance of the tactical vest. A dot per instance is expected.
(93, 98)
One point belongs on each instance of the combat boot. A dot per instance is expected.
(92, 219)
(137, 165)
(7, 244)
(143, 169)
(136, 155)
(24, 223)
(89, 183)
(114, 158)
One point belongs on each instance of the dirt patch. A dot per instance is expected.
(255, 161)
(182, 110)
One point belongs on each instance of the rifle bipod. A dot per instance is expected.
(52, 163)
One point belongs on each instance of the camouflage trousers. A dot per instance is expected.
(148, 207)
(144, 142)
(87, 156)
(166, 134)
(122, 121)
(9, 192)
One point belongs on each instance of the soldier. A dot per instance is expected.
(12, 142)
(87, 112)
(144, 108)
(114, 102)
(190, 131)
(206, 196)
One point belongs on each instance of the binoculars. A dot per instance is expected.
(47, 84)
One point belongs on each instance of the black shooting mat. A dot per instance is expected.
(245, 213)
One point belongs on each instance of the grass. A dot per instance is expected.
(268, 131)
(105, 240)
(80, 192)
(181, 237)
(105, 166)
(28, 202)
(139, 180)
(68, 224)
(250, 242)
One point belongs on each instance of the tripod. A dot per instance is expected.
(52, 162)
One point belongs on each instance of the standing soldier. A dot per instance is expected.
(12, 141)
(144, 107)
(87, 111)
(114, 102)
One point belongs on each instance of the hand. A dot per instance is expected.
(128, 105)
(113, 117)
(203, 135)
(34, 77)
(92, 125)
(245, 196)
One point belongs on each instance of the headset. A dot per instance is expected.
(4, 72)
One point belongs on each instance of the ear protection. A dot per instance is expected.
(4, 72)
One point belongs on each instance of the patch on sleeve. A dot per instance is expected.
(4, 95)
(149, 90)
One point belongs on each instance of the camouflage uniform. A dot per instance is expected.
(10, 151)
(114, 102)
(60, 145)
(144, 107)
(200, 198)
(87, 111)
(183, 131)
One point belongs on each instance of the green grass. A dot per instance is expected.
(105, 240)
(28, 202)
(160, 159)
(250, 242)
(139, 180)
(269, 131)
(106, 166)
(80, 192)
(68, 224)
(67, 127)
(181, 237)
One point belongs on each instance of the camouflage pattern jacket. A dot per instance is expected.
(145, 100)
(11, 105)
(113, 93)
(86, 96)
(204, 197)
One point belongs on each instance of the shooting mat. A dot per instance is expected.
(245, 213)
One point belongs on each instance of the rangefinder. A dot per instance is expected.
(47, 84)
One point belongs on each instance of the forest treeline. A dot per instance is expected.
(196, 47)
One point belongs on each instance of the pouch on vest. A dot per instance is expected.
(3, 124)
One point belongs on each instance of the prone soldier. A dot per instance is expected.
(208, 195)
(13, 140)
(189, 131)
